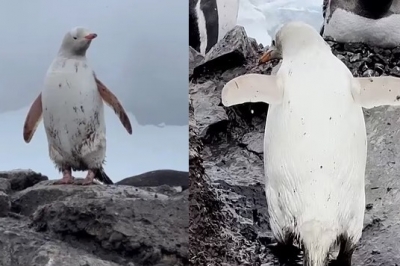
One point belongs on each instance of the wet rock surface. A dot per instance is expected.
(232, 158)
(95, 225)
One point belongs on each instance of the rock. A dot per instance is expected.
(115, 225)
(195, 59)
(5, 185)
(21, 179)
(157, 178)
(207, 244)
(229, 163)
(5, 204)
(20, 245)
(233, 50)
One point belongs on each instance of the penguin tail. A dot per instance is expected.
(103, 177)
(317, 239)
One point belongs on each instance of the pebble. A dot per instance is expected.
(366, 61)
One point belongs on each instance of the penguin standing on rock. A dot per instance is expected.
(71, 105)
(315, 142)
(209, 21)
(368, 21)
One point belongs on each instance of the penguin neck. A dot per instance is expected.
(374, 9)
(69, 55)
(305, 49)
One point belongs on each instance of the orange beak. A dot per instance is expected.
(91, 36)
(271, 54)
(266, 57)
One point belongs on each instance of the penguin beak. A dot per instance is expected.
(91, 36)
(269, 55)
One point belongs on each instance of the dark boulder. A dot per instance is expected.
(158, 178)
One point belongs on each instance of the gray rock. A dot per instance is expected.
(20, 246)
(195, 59)
(146, 228)
(233, 164)
(93, 225)
(22, 178)
(5, 185)
(233, 50)
(5, 204)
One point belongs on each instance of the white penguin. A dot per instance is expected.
(368, 21)
(315, 143)
(72, 106)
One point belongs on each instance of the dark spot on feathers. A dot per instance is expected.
(330, 118)
(320, 167)
(59, 85)
(398, 97)
(76, 67)
(75, 109)
(82, 109)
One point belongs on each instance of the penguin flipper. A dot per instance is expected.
(33, 119)
(114, 103)
(252, 88)
(370, 92)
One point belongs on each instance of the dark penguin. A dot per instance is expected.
(368, 21)
(209, 21)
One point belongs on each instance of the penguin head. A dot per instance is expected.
(291, 39)
(77, 41)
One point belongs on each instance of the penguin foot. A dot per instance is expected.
(89, 180)
(66, 179)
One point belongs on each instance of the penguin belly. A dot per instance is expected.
(73, 116)
(315, 158)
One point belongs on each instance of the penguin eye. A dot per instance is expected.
(273, 43)
(74, 38)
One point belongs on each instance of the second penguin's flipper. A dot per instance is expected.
(376, 91)
(252, 88)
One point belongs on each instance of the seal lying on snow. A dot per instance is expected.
(73, 115)
(315, 143)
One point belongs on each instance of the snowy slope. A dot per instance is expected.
(262, 18)
(148, 148)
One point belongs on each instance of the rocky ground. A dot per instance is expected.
(42, 224)
(226, 165)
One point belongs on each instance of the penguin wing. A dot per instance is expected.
(376, 91)
(33, 118)
(253, 88)
(114, 103)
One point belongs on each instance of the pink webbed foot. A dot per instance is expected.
(89, 179)
(66, 179)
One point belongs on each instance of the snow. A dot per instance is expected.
(262, 18)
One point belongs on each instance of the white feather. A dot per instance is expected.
(71, 102)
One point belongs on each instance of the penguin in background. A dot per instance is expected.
(368, 21)
(209, 21)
